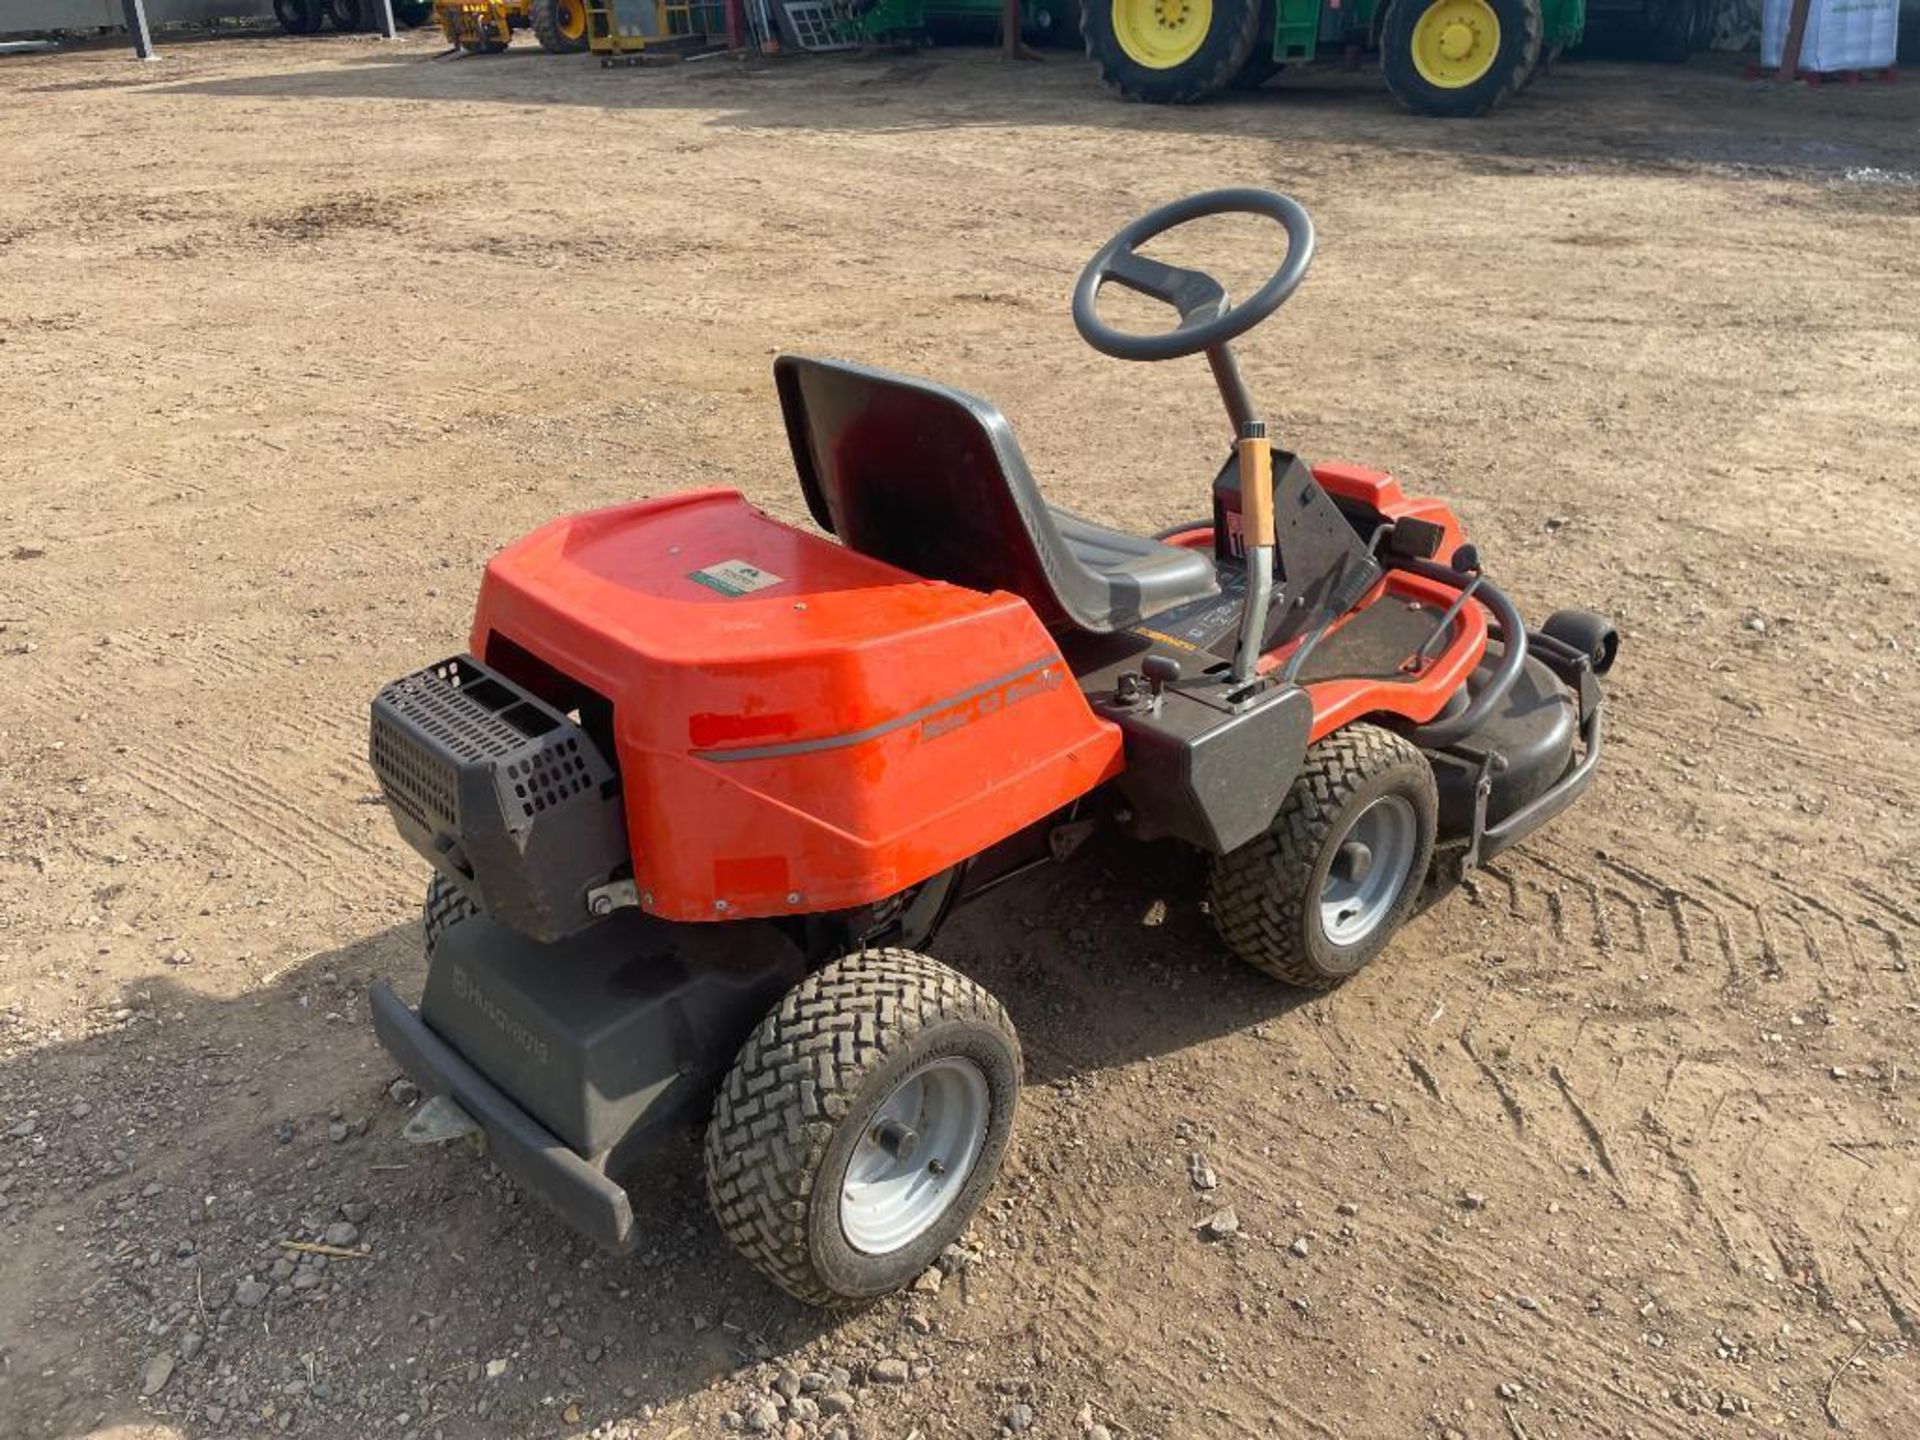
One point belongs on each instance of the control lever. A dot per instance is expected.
(1257, 528)
(1161, 671)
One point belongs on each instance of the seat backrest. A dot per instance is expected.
(930, 479)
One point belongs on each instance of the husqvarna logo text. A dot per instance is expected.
(519, 1034)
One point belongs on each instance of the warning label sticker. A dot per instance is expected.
(734, 577)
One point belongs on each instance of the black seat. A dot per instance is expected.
(931, 479)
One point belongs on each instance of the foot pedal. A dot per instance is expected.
(441, 1121)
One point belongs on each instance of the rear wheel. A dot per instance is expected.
(861, 1125)
(298, 17)
(1340, 868)
(446, 906)
(560, 25)
(1459, 57)
(347, 14)
(412, 13)
(1170, 52)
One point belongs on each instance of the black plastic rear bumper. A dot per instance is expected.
(580, 1194)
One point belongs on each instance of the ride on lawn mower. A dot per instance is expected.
(707, 785)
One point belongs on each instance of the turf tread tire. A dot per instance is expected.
(1259, 894)
(1211, 69)
(446, 906)
(796, 1078)
(1513, 67)
(546, 29)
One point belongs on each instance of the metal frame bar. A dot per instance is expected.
(137, 31)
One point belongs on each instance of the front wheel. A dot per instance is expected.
(560, 25)
(1339, 869)
(1170, 52)
(1459, 57)
(862, 1124)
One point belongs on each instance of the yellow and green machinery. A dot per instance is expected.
(1438, 57)
(1043, 22)
(621, 31)
(485, 27)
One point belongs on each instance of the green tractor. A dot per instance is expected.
(1439, 57)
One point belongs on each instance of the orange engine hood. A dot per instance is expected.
(799, 727)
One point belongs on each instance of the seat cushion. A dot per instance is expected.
(931, 480)
(1143, 576)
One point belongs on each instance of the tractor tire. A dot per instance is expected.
(1503, 40)
(298, 17)
(1188, 68)
(1549, 57)
(446, 906)
(880, 1060)
(560, 25)
(1272, 898)
(347, 15)
(1261, 66)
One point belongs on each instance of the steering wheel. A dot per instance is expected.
(1207, 319)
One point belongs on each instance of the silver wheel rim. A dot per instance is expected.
(1369, 869)
(913, 1161)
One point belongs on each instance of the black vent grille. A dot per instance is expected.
(414, 779)
(507, 796)
(550, 777)
(469, 713)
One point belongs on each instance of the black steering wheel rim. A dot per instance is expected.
(1197, 331)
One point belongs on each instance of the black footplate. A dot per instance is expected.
(509, 798)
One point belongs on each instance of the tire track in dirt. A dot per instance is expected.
(275, 820)
(1855, 772)
(1735, 1210)
(1402, 1228)
(1464, 1263)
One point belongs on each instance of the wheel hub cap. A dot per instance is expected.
(913, 1160)
(1455, 42)
(1161, 34)
(1369, 870)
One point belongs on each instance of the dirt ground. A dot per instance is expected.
(1618, 1141)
